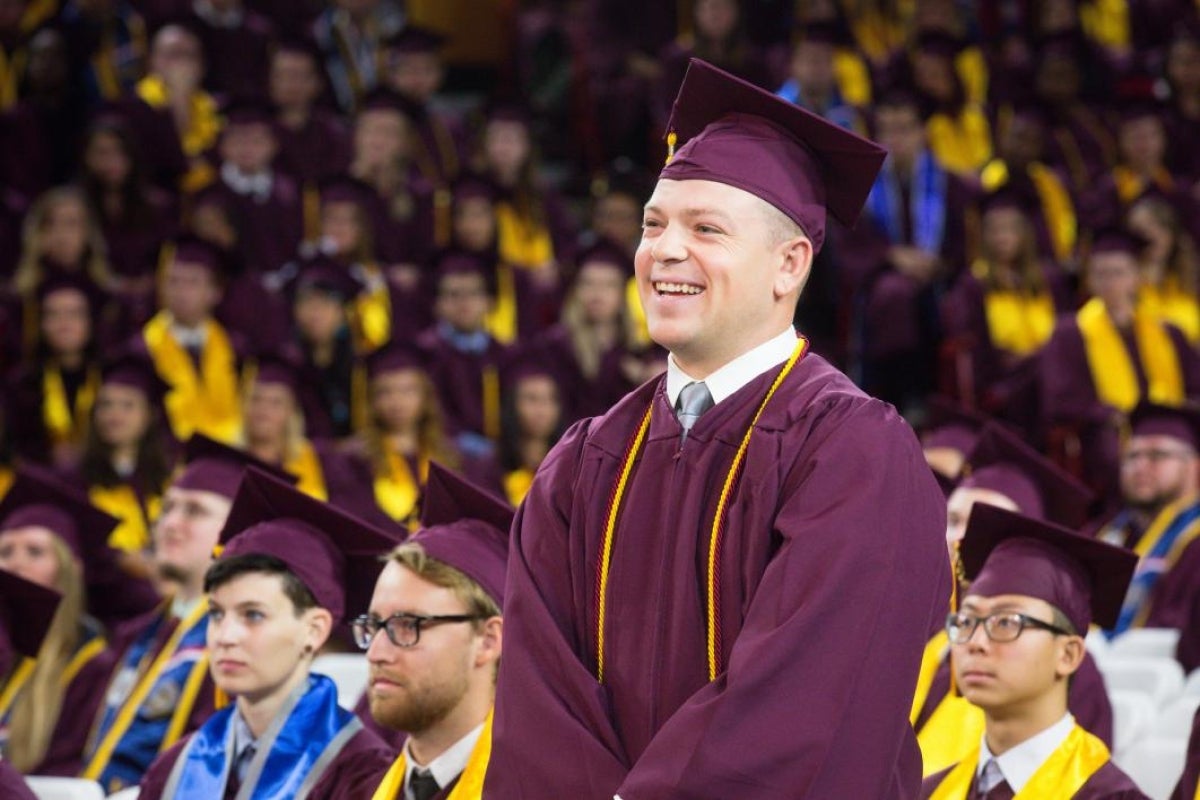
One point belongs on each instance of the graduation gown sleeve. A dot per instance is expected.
(12, 785)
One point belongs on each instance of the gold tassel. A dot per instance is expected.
(672, 137)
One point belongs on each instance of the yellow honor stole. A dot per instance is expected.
(962, 143)
(207, 402)
(373, 311)
(1149, 542)
(132, 534)
(1111, 367)
(20, 676)
(397, 491)
(522, 242)
(66, 421)
(1062, 775)
(1169, 303)
(502, 321)
(516, 485)
(1019, 322)
(470, 783)
(306, 466)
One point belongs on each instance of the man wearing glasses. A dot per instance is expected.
(433, 671)
(1016, 643)
(1159, 473)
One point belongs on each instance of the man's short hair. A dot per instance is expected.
(226, 569)
(479, 603)
(780, 227)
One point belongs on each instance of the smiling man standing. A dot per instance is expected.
(721, 588)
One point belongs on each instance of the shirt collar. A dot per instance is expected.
(475, 342)
(737, 373)
(1020, 763)
(449, 765)
(243, 737)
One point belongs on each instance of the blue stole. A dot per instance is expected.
(1150, 567)
(293, 753)
(927, 203)
(143, 739)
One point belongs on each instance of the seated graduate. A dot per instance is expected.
(161, 688)
(27, 611)
(290, 568)
(433, 675)
(51, 535)
(1017, 640)
(1001, 471)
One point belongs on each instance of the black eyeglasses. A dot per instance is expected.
(1005, 627)
(403, 630)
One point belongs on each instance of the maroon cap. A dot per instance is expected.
(604, 251)
(279, 368)
(334, 554)
(1178, 422)
(345, 189)
(415, 39)
(39, 498)
(215, 467)
(249, 111)
(1002, 463)
(26, 611)
(196, 251)
(951, 426)
(471, 186)
(1007, 198)
(68, 281)
(939, 43)
(1007, 553)
(137, 372)
(746, 137)
(393, 357)
(1117, 240)
(467, 528)
(323, 274)
(381, 99)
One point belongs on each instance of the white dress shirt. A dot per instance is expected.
(737, 373)
(446, 767)
(1021, 762)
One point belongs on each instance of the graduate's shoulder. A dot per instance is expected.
(610, 431)
(818, 396)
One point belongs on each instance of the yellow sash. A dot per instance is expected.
(852, 76)
(16, 683)
(1106, 22)
(204, 123)
(396, 491)
(948, 735)
(1019, 322)
(961, 143)
(1169, 303)
(306, 466)
(142, 688)
(516, 485)
(502, 320)
(132, 534)
(522, 243)
(207, 403)
(1062, 775)
(931, 659)
(470, 783)
(373, 313)
(1111, 367)
(1150, 540)
(6, 480)
(66, 422)
(92, 648)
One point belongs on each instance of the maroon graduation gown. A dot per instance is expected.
(361, 763)
(1087, 699)
(1186, 788)
(237, 58)
(1107, 783)
(321, 148)
(12, 785)
(833, 569)
(458, 377)
(582, 396)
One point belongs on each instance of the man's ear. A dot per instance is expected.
(1070, 655)
(796, 258)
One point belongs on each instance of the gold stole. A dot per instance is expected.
(1130, 184)
(502, 321)
(852, 77)
(306, 466)
(516, 485)
(6, 480)
(206, 403)
(470, 782)
(24, 671)
(373, 311)
(1150, 539)
(64, 421)
(949, 733)
(522, 242)
(1111, 367)
(1019, 322)
(962, 143)
(132, 534)
(1057, 209)
(396, 491)
(1106, 22)
(1171, 304)
(931, 659)
(1063, 774)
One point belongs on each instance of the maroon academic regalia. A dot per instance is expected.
(319, 149)
(582, 397)
(237, 57)
(1186, 788)
(364, 759)
(1087, 699)
(271, 226)
(833, 569)
(1175, 599)
(12, 784)
(1107, 783)
(459, 378)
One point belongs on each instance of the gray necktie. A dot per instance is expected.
(693, 401)
(422, 784)
(990, 778)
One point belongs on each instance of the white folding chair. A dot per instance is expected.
(1175, 720)
(130, 793)
(1097, 644)
(1159, 678)
(348, 671)
(1133, 714)
(47, 788)
(1192, 685)
(1145, 643)
(1154, 765)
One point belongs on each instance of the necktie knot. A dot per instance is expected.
(423, 784)
(694, 400)
(992, 783)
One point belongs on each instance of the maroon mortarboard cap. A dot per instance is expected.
(1178, 422)
(323, 274)
(195, 251)
(214, 467)
(1136, 109)
(26, 611)
(1007, 553)
(1117, 240)
(466, 527)
(277, 367)
(1002, 463)
(137, 372)
(249, 111)
(70, 282)
(819, 32)
(746, 137)
(38, 498)
(215, 194)
(415, 39)
(1006, 198)
(393, 357)
(604, 251)
(345, 189)
(334, 554)
(456, 261)
(382, 99)
(939, 43)
(471, 186)
(951, 426)
(507, 110)
(302, 45)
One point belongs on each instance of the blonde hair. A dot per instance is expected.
(588, 349)
(431, 432)
(35, 713)
(29, 269)
(479, 603)
(293, 434)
